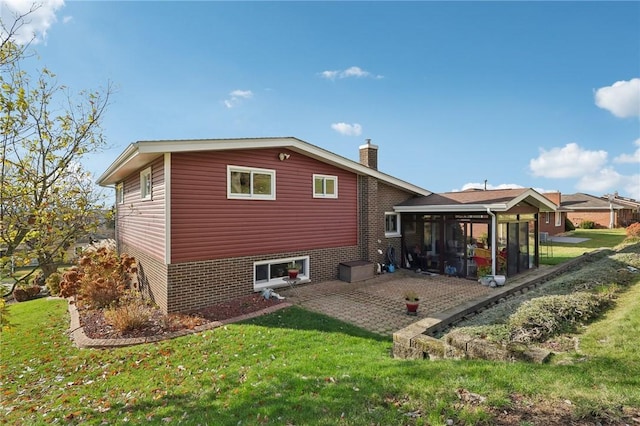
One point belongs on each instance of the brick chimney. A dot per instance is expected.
(554, 196)
(369, 155)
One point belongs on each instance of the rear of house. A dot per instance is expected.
(211, 220)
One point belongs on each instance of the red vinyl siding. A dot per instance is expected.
(207, 225)
(141, 224)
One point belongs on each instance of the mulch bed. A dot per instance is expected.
(95, 325)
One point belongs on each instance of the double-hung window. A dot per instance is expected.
(251, 183)
(120, 193)
(392, 224)
(145, 184)
(325, 186)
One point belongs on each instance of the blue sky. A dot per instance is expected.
(523, 94)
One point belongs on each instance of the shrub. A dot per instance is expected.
(131, 314)
(53, 283)
(568, 225)
(587, 224)
(22, 294)
(538, 319)
(633, 230)
(100, 278)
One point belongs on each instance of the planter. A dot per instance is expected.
(412, 307)
(293, 273)
(493, 280)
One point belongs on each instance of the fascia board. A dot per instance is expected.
(451, 208)
(154, 148)
(541, 199)
(126, 156)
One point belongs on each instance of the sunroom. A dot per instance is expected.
(473, 233)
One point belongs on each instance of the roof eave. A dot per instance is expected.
(136, 154)
(451, 208)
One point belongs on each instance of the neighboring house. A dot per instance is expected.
(445, 232)
(553, 222)
(631, 211)
(604, 213)
(211, 220)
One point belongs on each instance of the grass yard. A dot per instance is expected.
(295, 367)
(556, 253)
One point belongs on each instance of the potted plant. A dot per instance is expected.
(484, 275)
(292, 270)
(412, 301)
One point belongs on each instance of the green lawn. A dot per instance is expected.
(556, 253)
(296, 367)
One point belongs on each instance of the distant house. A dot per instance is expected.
(630, 213)
(210, 220)
(553, 222)
(602, 211)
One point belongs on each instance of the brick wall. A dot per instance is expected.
(196, 285)
(151, 276)
(601, 219)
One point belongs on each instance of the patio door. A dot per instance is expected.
(517, 247)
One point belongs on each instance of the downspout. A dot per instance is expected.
(493, 240)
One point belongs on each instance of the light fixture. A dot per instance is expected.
(283, 156)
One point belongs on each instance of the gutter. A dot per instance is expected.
(493, 240)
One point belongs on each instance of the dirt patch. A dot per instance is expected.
(95, 325)
(561, 413)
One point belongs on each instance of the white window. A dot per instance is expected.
(270, 273)
(145, 184)
(392, 224)
(120, 193)
(251, 183)
(546, 217)
(325, 186)
(558, 219)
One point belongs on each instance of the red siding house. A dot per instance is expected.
(605, 212)
(211, 220)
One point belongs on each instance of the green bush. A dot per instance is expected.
(587, 224)
(538, 319)
(568, 225)
(53, 283)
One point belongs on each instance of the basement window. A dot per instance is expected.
(270, 273)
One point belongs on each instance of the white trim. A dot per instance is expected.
(120, 193)
(251, 195)
(278, 281)
(167, 208)
(324, 186)
(394, 233)
(143, 187)
(558, 219)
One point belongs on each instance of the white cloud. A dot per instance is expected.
(347, 129)
(631, 186)
(236, 97)
(566, 162)
(39, 18)
(330, 75)
(354, 71)
(630, 158)
(600, 181)
(473, 185)
(622, 99)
